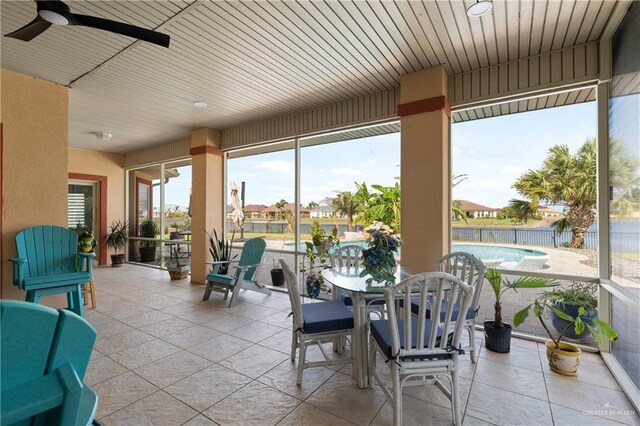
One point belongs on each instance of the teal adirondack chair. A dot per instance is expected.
(250, 260)
(48, 262)
(44, 355)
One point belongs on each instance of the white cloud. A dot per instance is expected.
(457, 151)
(346, 171)
(276, 166)
(515, 169)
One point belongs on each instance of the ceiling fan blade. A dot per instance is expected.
(31, 30)
(120, 28)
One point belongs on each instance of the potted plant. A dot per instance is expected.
(378, 260)
(220, 249)
(277, 274)
(317, 250)
(177, 270)
(117, 239)
(568, 300)
(563, 357)
(148, 229)
(86, 241)
(498, 333)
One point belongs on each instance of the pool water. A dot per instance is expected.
(509, 254)
(482, 252)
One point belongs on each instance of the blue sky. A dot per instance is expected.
(494, 152)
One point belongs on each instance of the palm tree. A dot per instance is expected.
(566, 178)
(523, 210)
(456, 209)
(344, 203)
(312, 205)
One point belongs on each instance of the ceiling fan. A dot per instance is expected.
(57, 13)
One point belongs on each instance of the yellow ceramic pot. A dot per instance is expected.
(564, 360)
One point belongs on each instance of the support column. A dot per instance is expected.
(425, 121)
(207, 197)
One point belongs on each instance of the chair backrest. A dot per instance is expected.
(346, 256)
(422, 287)
(466, 267)
(291, 281)
(36, 340)
(252, 253)
(49, 250)
(36, 344)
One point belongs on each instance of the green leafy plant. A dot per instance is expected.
(575, 294)
(174, 257)
(118, 235)
(220, 249)
(500, 284)
(380, 205)
(597, 328)
(317, 250)
(148, 229)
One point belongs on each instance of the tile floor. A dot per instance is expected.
(164, 357)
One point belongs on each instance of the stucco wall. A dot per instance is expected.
(111, 166)
(34, 115)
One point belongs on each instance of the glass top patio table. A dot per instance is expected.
(349, 279)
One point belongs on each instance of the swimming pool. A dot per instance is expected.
(482, 252)
(486, 252)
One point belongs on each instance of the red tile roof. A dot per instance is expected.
(468, 206)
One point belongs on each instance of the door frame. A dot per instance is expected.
(102, 189)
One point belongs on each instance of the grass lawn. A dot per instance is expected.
(634, 257)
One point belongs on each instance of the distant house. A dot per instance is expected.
(547, 212)
(475, 211)
(322, 212)
(272, 211)
(253, 211)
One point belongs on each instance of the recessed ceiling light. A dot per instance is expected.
(103, 136)
(200, 104)
(479, 8)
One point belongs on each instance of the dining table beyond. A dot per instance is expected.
(362, 293)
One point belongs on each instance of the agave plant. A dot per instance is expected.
(220, 249)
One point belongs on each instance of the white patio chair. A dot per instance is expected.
(350, 256)
(416, 350)
(471, 271)
(317, 323)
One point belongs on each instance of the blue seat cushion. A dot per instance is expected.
(346, 299)
(324, 317)
(471, 313)
(220, 279)
(380, 332)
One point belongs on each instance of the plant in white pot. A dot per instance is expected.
(563, 357)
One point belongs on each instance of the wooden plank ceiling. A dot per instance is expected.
(255, 60)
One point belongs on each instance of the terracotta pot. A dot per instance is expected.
(179, 273)
(565, 360)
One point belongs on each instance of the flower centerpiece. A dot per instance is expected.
(379, 259)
